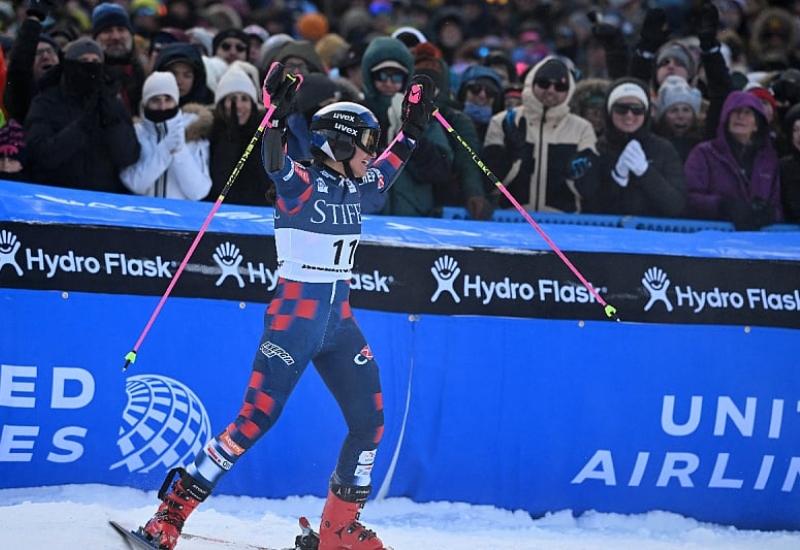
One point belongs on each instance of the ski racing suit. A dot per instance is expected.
(317, 230)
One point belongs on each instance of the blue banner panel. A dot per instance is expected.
(546, 415)
(70, 415)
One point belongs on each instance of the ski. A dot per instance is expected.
(307, 540)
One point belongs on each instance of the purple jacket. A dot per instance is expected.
(712, 173)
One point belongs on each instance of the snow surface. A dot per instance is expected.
(75, 517)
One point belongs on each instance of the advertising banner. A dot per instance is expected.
(475, 281)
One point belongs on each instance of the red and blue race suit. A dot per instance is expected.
(317, 230)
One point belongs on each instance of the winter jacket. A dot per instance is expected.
(161, 173)
(660, 191)
(228, 141)
(790, 171)
(72, 142)
(415, 189)
(540, 179)
(714, 176)
(441, 172)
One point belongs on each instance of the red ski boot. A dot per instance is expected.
(164, 528)
(340, 528)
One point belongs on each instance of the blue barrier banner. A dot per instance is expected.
(502, 384)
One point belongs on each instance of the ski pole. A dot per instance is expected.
(130, 357)
(610, 311)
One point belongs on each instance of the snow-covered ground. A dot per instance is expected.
(75, 517)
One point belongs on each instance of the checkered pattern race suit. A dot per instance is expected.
(317, 230)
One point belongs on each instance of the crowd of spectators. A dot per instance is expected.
(674, 109)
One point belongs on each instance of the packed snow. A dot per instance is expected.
(75, 516)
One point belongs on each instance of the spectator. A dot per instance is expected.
(257, 35)
(236, 119)
(512, 95)
(427, 180)
(480, 93)
(790, 167)
(534, 148)
(230, 45)
(186, 65)
(673, 58)
(174, 160)
(678, 114)
(78, 133)
(32, 55)
(588, 102)
(385, 69)
(300, 57)
(640, 174)
(735, 176)
(13, 165)
(112, 30)
(441, 166)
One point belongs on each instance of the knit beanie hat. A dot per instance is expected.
(626, 89)
(427, 61)
(160, 83)
(108, 15)
(764, 95)
(676, 90)
(312, 26)
(83, 45)
(553, 70)
(680, 54)
(12, 141)
(235, 80)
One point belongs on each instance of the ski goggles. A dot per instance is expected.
(368, 139)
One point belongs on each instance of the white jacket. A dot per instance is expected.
(161, 173)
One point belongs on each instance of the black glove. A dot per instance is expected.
(747, 216)
(417, 106)
(514, 135)
(608, 35)
(108, 110)
(708, 26)
(40, 9)
(655, 30)
(279, 89)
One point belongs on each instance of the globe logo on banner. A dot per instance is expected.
(656, 283)
(164, 424)
(9, 245)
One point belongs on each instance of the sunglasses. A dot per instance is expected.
(396, 77)
(238, 46)
(545, 84)
(625, 108)
(476, 89)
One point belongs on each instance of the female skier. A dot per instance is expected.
(317, 229)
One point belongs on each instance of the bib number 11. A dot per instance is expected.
(339, 246)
